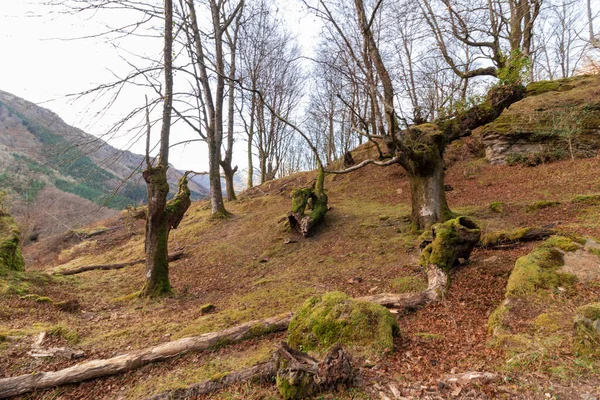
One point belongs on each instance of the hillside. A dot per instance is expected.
(250, 267)
(42, 159)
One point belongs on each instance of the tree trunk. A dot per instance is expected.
(217, 207)
(428, 197)
(229, 188)
(157, 233)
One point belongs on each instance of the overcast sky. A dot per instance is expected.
(38, 64)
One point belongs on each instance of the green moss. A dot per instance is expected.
(334, 317)
(429, 336)
(536, 270)
(37, 298)
(537, 88)
(590, 311)
(11, 258)
(496, 320)
(62, 331)
(586, 340)
(443, 250)
(406, 284)
(538, 205)
(552, 322)
(563, 243)
(592, 199)
(496, 206)
(300, 387)
(499, 237)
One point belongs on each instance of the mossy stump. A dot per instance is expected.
(450, 241)
(300, 376)
(314, 200)
(334, 317)
(11, 258)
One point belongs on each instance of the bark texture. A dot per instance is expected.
(313, 198)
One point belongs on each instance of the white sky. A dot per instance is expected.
(38, 65)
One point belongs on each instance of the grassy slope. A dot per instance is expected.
(243, 267)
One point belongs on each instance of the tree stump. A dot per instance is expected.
(301, 200)
(300, 376)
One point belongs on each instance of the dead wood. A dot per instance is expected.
(172, 257)
(437, 285)
(263, 372)
(301, 376)
(505, 240)
(126, 362)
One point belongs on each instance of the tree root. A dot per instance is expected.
(172, 257)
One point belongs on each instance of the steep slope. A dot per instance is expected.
(38, 150)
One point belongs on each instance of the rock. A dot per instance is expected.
(448, 188)
(207, 308)
(583, 264)
(333, 317)
(531, 130)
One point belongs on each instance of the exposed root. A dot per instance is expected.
(172, 257)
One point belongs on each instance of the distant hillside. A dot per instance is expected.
(39, 151)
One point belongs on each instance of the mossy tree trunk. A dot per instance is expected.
(157, 233)
(157, 219)
(424, 163)
(11, 258)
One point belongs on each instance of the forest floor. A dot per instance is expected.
(249, 267)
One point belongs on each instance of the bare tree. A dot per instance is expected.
(162, 217)
(209, 98)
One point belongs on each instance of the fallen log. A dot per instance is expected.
(503, 239)
(259, 373)
(17, 385)
(172, 257)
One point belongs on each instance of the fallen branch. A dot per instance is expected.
(172, 257)
(505, 239)
(99, 368)
(437, 285)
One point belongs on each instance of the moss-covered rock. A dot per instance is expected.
(556, 120)
(586, 340)
(334, 317)
(11, 258)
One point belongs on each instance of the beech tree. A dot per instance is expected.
(162, 216)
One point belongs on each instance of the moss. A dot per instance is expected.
(586, 340)
(300, 387)
(406, 284)
(551, 322)
(563, 243)
(444, 250)
(429, 336)
(334, 317)
(62, 331)
(11, 258)
(496, 206)
(594, 251)
(499, 237)
(37, 298)
(496, 319)
(538, 205)
(590, 311)
(592, 199)
(541, 87)
(536, 270)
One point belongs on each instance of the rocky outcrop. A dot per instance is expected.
(557, 120)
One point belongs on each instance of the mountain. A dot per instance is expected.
(41, 156)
